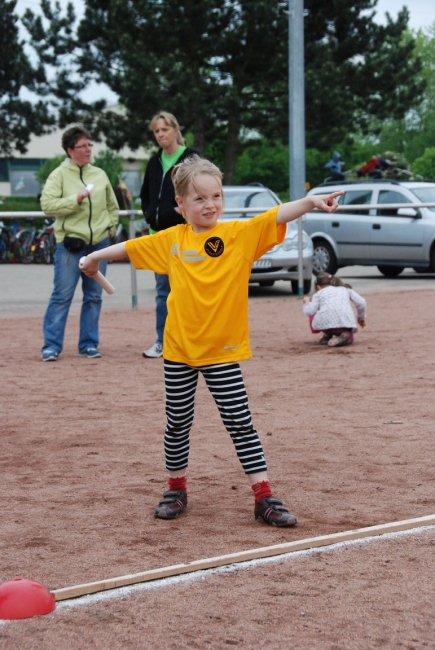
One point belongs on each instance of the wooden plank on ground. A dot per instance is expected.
(242, 556)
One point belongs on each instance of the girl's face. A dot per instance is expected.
(166, 136)
(202, 204)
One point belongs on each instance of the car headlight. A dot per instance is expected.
(291, 243)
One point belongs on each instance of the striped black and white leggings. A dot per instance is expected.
(225, 383)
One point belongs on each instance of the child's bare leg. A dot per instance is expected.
(258, 477)
(178, 474)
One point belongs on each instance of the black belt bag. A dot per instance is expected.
(73, 244)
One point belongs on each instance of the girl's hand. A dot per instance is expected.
(362, 322)
(89, 266)
(306, 299)
(326, 202)
(295, 209)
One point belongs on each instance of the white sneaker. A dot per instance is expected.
(153, 352)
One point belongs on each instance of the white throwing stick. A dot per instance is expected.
(104, 282)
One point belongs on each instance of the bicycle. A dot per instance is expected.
(8, 242)
(37, 245)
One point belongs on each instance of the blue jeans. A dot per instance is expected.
(162, 289)
(66, 277)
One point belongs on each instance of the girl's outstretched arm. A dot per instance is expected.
(295, 209)
(89, 266)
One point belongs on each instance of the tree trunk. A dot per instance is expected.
(231, 149)
(198, 131)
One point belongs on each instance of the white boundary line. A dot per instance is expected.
(243, 556)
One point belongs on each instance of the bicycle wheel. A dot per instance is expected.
(24, 246)
(46, 249)
(4, 246)
(50, 248)
(38, 252)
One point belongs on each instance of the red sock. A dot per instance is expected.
(178, 483)
(261, 490)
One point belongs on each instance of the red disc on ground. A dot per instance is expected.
(22, 598)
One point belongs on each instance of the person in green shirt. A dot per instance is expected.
(158, 203)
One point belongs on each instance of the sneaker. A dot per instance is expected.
(339, 341)
(50, 355)
(174, 502)
(154, 352)
(325, 338)
(271, 510)
(91, 353)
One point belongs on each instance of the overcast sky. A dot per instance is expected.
(422, 11)
(422, 14)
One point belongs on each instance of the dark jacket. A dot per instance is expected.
(158, 195)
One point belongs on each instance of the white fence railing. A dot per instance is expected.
(134, 214)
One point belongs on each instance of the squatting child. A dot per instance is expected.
(330, 311)
(209, 264)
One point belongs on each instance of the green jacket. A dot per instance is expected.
(97, 215)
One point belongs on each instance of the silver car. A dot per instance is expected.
(281, 261)
(390, 238)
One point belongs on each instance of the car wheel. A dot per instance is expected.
(324, 260)
(390, 271)
(266, 283)
(295, 286)
(419, 269)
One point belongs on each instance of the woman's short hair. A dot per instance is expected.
(185, 173)
(170, 120)
(72, 135)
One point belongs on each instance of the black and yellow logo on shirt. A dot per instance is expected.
(214, 247)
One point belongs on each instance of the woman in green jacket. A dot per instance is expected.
(81, 198)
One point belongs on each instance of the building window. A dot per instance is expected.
(24, 183)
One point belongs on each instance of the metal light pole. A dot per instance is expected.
(297, 115)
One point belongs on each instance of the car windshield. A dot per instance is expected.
(425, 194)
(247, 199)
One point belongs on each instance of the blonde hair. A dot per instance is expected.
(185, 173)
(170, 120)
(326, 280)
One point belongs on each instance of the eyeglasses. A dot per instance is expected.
(85, 146)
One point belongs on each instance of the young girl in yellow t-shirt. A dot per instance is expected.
(209, 263)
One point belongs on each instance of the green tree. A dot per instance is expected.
(111, 164)
(18, 118)
(315, 161)
(413, 133)
(355, 69)
(264, 162)
(48, 166)
(221, 66)
(425, 165)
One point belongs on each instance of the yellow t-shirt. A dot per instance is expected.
(208, 272)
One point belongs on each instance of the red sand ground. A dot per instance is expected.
(82, 469)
